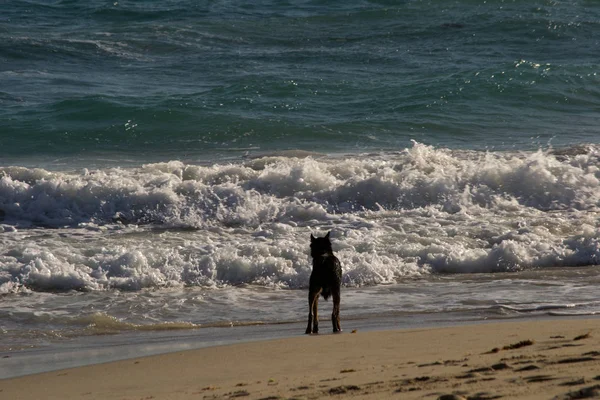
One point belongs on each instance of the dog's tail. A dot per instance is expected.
(326, 292)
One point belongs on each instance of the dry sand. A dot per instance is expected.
(471, 361)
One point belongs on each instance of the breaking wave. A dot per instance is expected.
(419, 211)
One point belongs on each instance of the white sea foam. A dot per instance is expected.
(393, 215)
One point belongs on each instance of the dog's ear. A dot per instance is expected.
(327, 236)
(312, 238)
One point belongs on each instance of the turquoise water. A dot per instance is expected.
(126, 82)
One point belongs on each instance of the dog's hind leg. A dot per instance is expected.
(316, 313)
(335, 315)
(313, 313)
(310, 314)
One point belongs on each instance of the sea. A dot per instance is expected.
(164, 163)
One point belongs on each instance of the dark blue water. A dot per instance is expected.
(128, 82)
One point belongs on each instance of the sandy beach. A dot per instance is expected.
(538, 359)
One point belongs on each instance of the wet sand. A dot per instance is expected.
(535, 359)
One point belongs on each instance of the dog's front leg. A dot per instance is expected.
(335, 315)
(316, 313)
(310, 318)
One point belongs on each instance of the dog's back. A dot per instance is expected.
(327, 274)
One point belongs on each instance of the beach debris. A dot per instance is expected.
(456, 362)
(518, 345)
(513, 346)
(343, 389)
(574, 383)
(470, 375)
(239, 393)
(429, 364)
(374, 383)
(353, 331)
(539, 378)
(581, 337)
(530, 367)
(592, 353)
(302, 388)
(482, 369)
(566, 345)
(329, 379)
(345, 371)
(575, 360)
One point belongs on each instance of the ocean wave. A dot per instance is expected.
(420, 211)
(284, 189)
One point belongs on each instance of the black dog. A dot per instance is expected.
(326, 280)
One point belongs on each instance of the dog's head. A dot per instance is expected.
(320, 245)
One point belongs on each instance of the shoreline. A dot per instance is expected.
(562, 357)
(92, 349)
(79, 341)
(108, 347)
